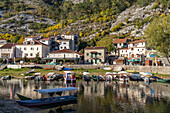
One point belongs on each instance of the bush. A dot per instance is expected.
(155, 5)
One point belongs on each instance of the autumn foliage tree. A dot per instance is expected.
(158, 35)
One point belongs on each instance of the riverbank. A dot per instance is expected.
(17, 73)
(10, 106)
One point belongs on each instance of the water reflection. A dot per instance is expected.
(98, 96)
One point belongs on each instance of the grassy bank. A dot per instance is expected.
(17, 72)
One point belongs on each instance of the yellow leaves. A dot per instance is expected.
(21, 39)
(101, 13)
(81, 34)
(68, 32)
(6, 36)
(103, 33)
(55, 27)
(70, 21)
(162, 15)
(98, 34)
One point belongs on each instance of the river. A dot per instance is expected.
(97, 97)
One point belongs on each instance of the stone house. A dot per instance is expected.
(95, 55)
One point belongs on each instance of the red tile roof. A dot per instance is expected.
(95, 48)
(137, 41)
(7, 46)
(36, 42)
(65, 51)
(119, 40)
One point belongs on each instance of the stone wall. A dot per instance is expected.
(151, 69)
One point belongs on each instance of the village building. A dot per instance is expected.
(119, 43)
(7, 51)
(95, 55)
(2, 42)
(68, 41)
(65, 55)
(50, 42)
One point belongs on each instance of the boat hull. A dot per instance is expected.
(46, 101)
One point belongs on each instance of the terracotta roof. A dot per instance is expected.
(7, 46)
(119, 40)
(137, 41)
(45, 39)
(31, 37)
(36, 42)
(118, 59)
(95, 47)
(65, 51)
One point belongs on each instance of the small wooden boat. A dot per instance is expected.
(6, 77)
(68, 69)
(109, 76)
(164, 80)
(51, 100)
(69, 76)
(23, 97)
(123, 78)
(101, 78)
(135, 77)
(86, 76)
(108, 68)
(94, 77)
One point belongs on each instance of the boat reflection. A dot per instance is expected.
(94, 96)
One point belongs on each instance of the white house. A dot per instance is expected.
(65, 44)
(124, 52)
(31, 38)
(31, 48)
(7, 51)
(119, 43)
(74, 40)
(136, 48)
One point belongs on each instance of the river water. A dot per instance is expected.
(97, 97)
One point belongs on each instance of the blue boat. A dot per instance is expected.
(51, 100)
(67, 69)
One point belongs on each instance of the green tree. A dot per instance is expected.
(25, 59)
(158, 36)
(37, 58)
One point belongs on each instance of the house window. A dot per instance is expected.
(64, 43)
(100, 54)
(122, 51)
(26, 54)
(120, 44)
(126, 51)
(32, 48)
(87, 60)
(92, 61)
(91, 55)
(61, 47)
(100, 60)
(37, 48)
(142, 49)
(132, 49)
(95, 55)
(87, 54)
(30, 54)
(20, 48)
(25, 48)
(65, 47)
(138, 49)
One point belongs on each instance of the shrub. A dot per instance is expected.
(155, 5)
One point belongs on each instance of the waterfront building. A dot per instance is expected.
(50, 42)
(65, 55)
(95, 55)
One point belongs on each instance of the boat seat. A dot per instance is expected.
(43, 100)
(52, 99)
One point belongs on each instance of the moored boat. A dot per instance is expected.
(109, 76)
(108, 68)
(68, 69)
(86, 76)
(164, 80)
(51, 100)
(69, 76)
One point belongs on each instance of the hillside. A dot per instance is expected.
(93, 20)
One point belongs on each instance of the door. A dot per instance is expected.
(95, 61)
(133, 55)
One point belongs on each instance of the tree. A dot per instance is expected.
(158, 35)
(25, 59)
(37, 57)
